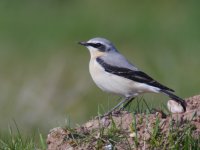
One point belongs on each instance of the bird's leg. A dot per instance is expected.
(119, 104)
(128, 103)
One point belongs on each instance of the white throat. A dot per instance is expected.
(94, 53)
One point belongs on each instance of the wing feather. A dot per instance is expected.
(137, 76)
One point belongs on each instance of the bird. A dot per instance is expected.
(113, 73)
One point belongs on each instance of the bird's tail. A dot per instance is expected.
(176, 98)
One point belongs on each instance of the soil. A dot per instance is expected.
(126, 130)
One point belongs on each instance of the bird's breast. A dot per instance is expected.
(97, 71)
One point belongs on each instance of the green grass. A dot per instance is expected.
(18, 142)
(179, 135)
(176, 139)
(15, 140)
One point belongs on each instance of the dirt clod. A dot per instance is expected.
(127, 130)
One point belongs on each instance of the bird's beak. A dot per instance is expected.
(83, 43)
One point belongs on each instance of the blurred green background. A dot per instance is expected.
(44, 78)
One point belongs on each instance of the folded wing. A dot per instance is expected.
(137, 76)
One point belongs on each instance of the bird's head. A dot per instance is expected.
(99, 46)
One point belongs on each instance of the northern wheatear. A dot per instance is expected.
(113, 73)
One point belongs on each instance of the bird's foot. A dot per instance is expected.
(110, 113)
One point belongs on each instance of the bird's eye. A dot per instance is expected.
(98, 45)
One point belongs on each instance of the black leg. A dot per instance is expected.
(128, 103)
(119, 104)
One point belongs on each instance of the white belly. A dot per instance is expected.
(115, 84)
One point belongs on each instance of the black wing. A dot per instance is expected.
(138, 76)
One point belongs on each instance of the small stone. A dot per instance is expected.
(132, 135)
(105, 122)
(147, 136)
(108, 147)
(89, 124)
(174, 107)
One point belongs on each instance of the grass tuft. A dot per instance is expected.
(16, 141)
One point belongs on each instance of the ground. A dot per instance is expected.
(127, 130)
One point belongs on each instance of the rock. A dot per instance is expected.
(174, 107)
(55, 139)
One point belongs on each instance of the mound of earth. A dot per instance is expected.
(126, 130)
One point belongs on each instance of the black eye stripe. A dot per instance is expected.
(99, 46)
(96, 45)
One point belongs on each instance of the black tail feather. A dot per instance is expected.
(176, 98)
